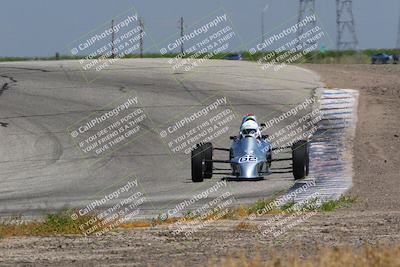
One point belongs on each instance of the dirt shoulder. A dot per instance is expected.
(375, 219)
(377, 143)
(160, 246)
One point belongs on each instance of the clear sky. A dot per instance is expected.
(43, 27)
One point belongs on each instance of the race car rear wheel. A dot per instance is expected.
(300, 159)
(197, 165)
(208, 155)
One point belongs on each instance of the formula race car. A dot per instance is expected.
(250, 156)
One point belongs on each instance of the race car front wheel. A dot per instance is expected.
(300, 159)
(197, 165)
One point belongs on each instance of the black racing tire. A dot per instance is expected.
(269, 158)
(208, 155)
(300, 159)
(197, 165)
(307, 159)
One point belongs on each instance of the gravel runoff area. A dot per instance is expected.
(374, 219)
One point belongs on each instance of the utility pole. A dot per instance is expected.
(307, 7)
(181, 26)
(262, 27)
(262, 24)
(346, 32)
(141, 37)
(112, 39)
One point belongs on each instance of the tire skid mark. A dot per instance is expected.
(4, 88)
(331, 157)
(23, 68)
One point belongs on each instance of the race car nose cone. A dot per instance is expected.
(248, 170)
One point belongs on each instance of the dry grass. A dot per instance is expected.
(244, 226)
(53, 224)
(327, 257)
(136, 224)
(62, 224)
(148, 223)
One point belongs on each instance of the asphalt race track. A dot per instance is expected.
(42, 170)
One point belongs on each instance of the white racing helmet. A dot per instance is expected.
(250, 128)
(249, 117)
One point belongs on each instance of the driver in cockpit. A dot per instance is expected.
(250, 127)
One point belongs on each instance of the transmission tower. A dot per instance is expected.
(307, 8)
(346, 32)
(398, 35)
